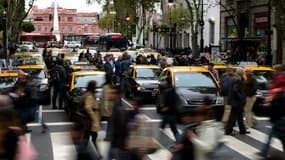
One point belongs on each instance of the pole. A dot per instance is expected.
(202, 27)
(269, 56)
(5, 37)
(153, 35)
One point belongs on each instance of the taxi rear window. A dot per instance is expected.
(82, 81)
(147, 72)
(6, 82)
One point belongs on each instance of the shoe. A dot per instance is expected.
(243, 133)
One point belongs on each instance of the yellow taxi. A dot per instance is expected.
(77, 85)
(38, 75)
(141, 81)
(148, 52)
(8, 79)
(26, 58)
(192, 84)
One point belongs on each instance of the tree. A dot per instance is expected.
(129, 10)
(194, 7)
(28, 27)
(16, 13)
(178, 16)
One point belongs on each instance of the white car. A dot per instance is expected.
(72, 44)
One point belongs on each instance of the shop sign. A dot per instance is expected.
(261, 20)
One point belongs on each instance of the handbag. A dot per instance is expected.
(25, 150)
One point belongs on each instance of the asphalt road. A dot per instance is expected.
(56, 144)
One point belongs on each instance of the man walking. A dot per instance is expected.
(250, 86)
(237, 100)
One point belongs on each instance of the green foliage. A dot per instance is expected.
(28, 27)
(179, 16)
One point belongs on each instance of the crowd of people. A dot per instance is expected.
(201, 138)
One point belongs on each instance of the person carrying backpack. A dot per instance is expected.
(58, 77)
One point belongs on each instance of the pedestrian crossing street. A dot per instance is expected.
(241, 147)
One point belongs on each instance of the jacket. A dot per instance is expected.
(236, 96)
(250, 86)
(92, 109)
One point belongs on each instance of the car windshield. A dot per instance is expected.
(147, 72)
(35, 73)
(6, 82)
(82, 81)
(194, 79)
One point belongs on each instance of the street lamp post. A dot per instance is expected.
(128, 18)
(202, 23)
(5, 37)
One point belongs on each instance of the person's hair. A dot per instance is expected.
(91, 86)
(207, 100)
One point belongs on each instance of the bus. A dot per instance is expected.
(69, 39)
(91, 41)
(40, 40)
(112, 40)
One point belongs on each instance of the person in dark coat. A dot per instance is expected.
(58, 80)
(108, 67)
(119, 126)
(237, 100)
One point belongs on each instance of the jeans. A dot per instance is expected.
(58, 91)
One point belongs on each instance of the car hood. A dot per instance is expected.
(147, 83)
(197, 94)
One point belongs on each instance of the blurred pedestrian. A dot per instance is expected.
(119, 127)
(107, 105)
(208, 134)
(225, 81)
(250, 86)
(274, 105)
(92, 109)
(118, 71)
(237, 100)
(169, 108)
(108, 67)
(58, 76)
(213, 71)
(10, 130)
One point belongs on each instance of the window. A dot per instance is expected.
(62, 29)
(46, 29)
(39, 28)
(93, 29)
(194, 79)
(69, 19)
(59, 18)
(70, 28)
(85, 29)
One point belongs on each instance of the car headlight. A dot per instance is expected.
(140, 88)
(220, 100)
(98, 99)
(43, 87)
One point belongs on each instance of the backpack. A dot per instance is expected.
(56, 75)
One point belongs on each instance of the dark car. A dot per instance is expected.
(192, 84)
(77, 86)
(38, 75)
(141, 81)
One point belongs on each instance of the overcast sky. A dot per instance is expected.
(70, 4)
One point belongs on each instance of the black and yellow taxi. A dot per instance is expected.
(192, 84)
(77, 85)
(141, 80)
(38, 75)
(8, 78)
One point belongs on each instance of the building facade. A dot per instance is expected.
(70, 21)
(182, 38)
(247, 31)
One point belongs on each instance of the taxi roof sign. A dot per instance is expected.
(245, 63)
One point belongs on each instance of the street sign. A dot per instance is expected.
(161, 29)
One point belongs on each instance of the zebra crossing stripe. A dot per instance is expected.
(242, 148)
(261, 137)
(62, 146)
